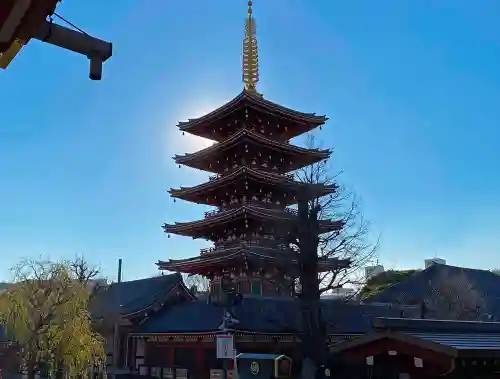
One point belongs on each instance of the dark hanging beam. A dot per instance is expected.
(22, 20)
(96, 50)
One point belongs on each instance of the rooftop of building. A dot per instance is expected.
(480, 287)
(133, 296)
(260, 314)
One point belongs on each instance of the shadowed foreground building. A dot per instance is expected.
(164, 328)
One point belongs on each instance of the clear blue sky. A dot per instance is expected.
(412, 89)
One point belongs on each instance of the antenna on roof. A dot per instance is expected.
(250, 53)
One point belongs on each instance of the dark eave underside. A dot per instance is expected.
(249, 211)
(258, 101)
(228, 257)
(190, 193)
(243, 135)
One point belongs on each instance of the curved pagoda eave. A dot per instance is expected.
(204, 193)
(204, 228)
(202, 126)
(201, 159)
(210, 263)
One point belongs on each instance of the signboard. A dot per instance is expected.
(225, 346)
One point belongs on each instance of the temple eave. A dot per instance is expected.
(256, 100)
(290, 186)
(204, 264)
(241, 137)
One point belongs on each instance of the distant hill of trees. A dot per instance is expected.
(383, 280)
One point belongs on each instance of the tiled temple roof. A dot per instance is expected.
(421, 284)
(191, 228)
(244, 136)
(257, 101)
(263, 315)
(244, 173)
(237, 255)
(127, 298)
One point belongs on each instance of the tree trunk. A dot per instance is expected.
(30, 370)
(313, 336)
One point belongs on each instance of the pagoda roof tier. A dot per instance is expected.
(214, 124)
(214, 222)
(258, 257)
(244, 140)
(205, 193)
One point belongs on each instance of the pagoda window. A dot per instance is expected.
(215, 288)
(184, 357)
(256, 287)
(243, 286)
(268, 288)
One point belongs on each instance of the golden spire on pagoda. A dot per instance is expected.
(250, 53)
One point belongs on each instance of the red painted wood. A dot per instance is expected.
(434, 362)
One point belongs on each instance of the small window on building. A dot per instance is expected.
(256, 287)
(215, 288)
(268, 288)
(244, 286)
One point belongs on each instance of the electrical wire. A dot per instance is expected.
(69, 23)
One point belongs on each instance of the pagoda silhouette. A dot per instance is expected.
(252, 188)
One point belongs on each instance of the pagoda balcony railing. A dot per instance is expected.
(265, 167)
(211, 213)
(258, 203)
(261, 242)
(218, 176)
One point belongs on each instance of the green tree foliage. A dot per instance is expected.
(46, 312)
(383, 280)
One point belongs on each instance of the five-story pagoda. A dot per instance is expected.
(252, 188)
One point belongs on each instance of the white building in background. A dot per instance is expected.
(371, 271)
(434, 261)
(339, 293)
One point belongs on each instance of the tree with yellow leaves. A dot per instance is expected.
(46, 313)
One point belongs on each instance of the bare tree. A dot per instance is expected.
(201, 283)
(352, 242)
(82, 270)
(453, 297)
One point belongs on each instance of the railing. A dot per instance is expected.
(261, 204)
(261, 242)
(211, 213)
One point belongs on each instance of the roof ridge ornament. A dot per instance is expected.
(250, 53)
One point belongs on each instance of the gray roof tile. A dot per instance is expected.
(265, 315)
(132, 296)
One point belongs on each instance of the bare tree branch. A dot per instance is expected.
(82, 270)
(198, 282)
(453, 297)
(352, 242)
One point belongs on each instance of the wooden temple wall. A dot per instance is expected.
(156, 355)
